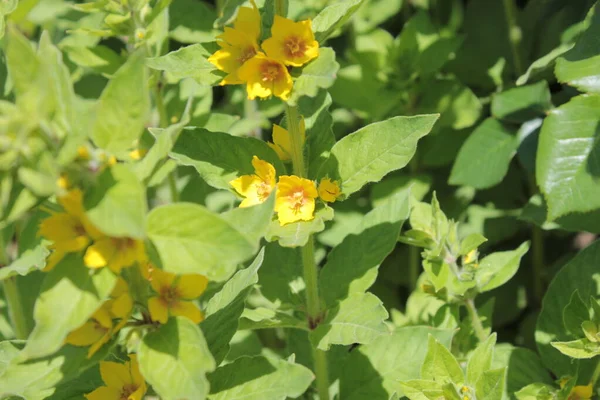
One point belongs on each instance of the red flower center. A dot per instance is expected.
(247, 54)
(294, 47)
(270, 71)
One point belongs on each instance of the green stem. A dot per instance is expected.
(595, 375)
(537, 248)
(322, 373)
(476, 321)
(293, 125)
(280, 8)
(13, 299)
(514, 35)
(414, 258)
(163, 120)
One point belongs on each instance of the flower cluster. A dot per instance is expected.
(265, 73)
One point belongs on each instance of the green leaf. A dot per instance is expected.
(566, 167)
(225, 308)
(319, 135)
(256, 219)
(580, 348)
(117, 204)
(259, 378)
(440, 365)
(297, 234)
(123, 107)
(191, 239)
(228, 12)
(483, 160)
(74, 290)
(579, 66)
(575, 314)
(523, 103)
(523, 366)
(174, 360)
(191, 21)
(280, 277)
(333, 17)
(22, 62)
(352, 266)
(31, 260)
(267, 318)
(471, 242)
(491, 385)
(320, 73)
(219, 157)
(543, 63)
(497, 268)
(357, 319)
(480, 360)
(536, 391)
(370, 153)
(420, 389)
(373, 370)
(188, 62)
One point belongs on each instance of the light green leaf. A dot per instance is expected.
(566, 167)
(523, 103)
(543, 63)
(497, 268)
(22, 62)
(580, 348)
(575, 314)
(370, 153)
(252, 222)
(267, 318)
(191, 21)
(74, 290)
(579, 66)
(174, 360)
(491, 385)
(483, 160)
(259, 378)
(373, 370)
(219, 157)
(536, 391)
(440, 365)
(357, 319)
(352, 266)
(471, 242)
(297, 234)
(333, 17)
(191, 239)
(188, 62)
(480, 360)
(117, 204)
(523, 366)
(228, 12)
(320, 73)
(319, 134)
(225, 307)
(31, 260)
(420, 389)
(123, 108)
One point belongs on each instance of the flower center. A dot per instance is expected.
(100, 328)
(169, 295)
(127, 391)
(123, 243)
(79, 230)
(263, 190)
(270, 71)
(247, 54)
(294, 47)
(297, 200)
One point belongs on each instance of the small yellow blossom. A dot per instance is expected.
(255, 188)
(329, 190)
(174, 293)
(83, 153)
(581, 393)
(238, 44)
(295, 199)
(292, 43)
(265, 77)
(123, 381)
(137, 154)
(282, 142)
(99, 329)
(115, 253)
(63, 182)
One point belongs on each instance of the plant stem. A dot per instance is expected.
(595, 375)
(537, 248)
(293, 125)
(322, 373)
(514, 35)
(280, 8)
(476, 321)
(414, 258)
(13, 299)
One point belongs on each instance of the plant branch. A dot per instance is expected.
(13, 299)
(476, 321)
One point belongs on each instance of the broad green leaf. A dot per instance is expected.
(480, 360)
(31, 260)
(373, 370)
(267, 318)
(471, 242)
(333, 17)
(219, 157)
(318, 74)
(579, 66)
(579, 274)
(117, 204)
(191, 239)
(280, 277)
(523, 103)
(352, 266)
(228, 12)
(297, 234)
(497, 268)
(536, 391)
(259, 378)
(22, 62)
(74, 290)
(566, 168)
(370, 153)
(191, 21)
(437, 272)
(580, 348)
(188, 62)
(543, 63)
(483, 160)
(491, 385)
(575, 314)
(123, 108)
(175, 358)
(419, 186)
(359, 318)
(523, 366)
(421, 389)
(536, 212)
(225, 307)
(374, 12)
(101, 59)
(252, 222)
(440, 365)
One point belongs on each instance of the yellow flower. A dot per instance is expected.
(265, 77)
(123, 381)
(137, 154)
(292, 43)
(255, 188)
(581, 393)
(83, 153)
(63, 182)
(174, 293)
(329, 190)
(282, 141)
(295, 199)
(115, 253)
(238, 44)
(99, 329)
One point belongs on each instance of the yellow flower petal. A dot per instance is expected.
(114, 374)
(88, 334)
(158, 310)
(191, 286)
(264, 170)
(265, 77)
(98, 345)
(54, 258)
(236, 48)
(104, 393)
(100, 253)
(582, 392)
(162, 280)
(295, 199)
(255, 188)
(248, 21)
(65, 231)
(329, 190)
(292, 43)
(121, 306)
(187, 309)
